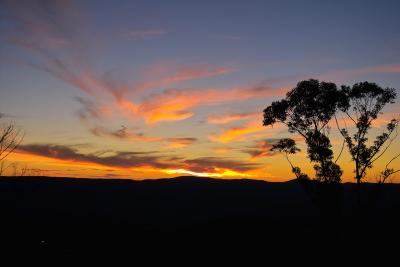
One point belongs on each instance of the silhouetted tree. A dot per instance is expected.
(364, 102)
(10, 138)
(307, 110)
(288, 146)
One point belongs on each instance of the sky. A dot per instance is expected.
(150, 89)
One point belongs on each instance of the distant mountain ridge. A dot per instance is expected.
(63, 210)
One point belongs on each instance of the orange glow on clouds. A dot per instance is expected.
(123, 134)
(87, 168)
(237, 133)
(180, 142)
(222, 119)
(159, 75)
(158, 116)
(118, 87)
(28, 157)
(219, 173)
(174, 105)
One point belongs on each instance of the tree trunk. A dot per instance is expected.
(291, 165)
(358, 178)
(359, 192)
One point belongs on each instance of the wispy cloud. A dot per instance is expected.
(92, 110)
(261, 149)
(223, 119)
(144, 34)
(161, 76)
(126, 134)
(237, 133)
(70, 62)
(117, 159)
(176, 104)
(164, 75)
(143, 161)
(212, 164)
(180, 142)
(55, 33)
(123, 134)
(222, 150)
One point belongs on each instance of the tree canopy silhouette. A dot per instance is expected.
(307, 110)
(364, 103)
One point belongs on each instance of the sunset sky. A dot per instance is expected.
(149, 89)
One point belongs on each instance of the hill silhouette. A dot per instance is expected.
(69, 212)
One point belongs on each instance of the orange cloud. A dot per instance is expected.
(127, 107)
(217, 172)
(157, 116)
(174, 104)
(222, 150)
(180, 142)
(237, 133)
(73, 66)
(118, 159)
(59, 155)
(62, 167)
(216, 165)
(63, 49)
(222, 119)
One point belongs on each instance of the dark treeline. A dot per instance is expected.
(190, 213)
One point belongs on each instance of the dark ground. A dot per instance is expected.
(185, 212)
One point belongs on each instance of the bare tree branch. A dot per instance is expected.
(344, 140)
(10, 138)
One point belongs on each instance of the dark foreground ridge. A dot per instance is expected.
(67, 212)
